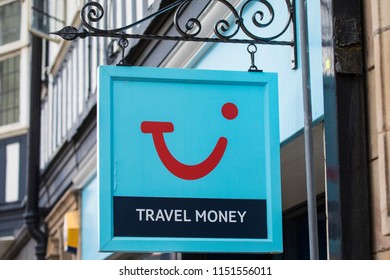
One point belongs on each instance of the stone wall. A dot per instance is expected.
(377, 71)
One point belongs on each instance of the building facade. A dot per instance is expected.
(14, 122)
(348, 54)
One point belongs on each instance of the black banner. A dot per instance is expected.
(189, 217)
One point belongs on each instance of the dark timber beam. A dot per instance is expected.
(345, 131)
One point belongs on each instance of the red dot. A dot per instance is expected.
(229, 111)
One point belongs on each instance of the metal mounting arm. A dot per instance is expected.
(263, 16)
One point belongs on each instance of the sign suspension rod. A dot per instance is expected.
(308, 133)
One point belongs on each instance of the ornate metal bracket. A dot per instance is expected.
(224, 30)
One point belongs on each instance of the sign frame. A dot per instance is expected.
(267, 84)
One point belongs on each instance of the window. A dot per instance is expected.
(9, 23)
(47, 16)
(13, 165)
(9, 90)
(12, 152)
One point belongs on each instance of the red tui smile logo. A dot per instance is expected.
(181, 170)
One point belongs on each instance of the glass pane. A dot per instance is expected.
(47, 15)
(10, 22)
(9, 91)
(12, 172)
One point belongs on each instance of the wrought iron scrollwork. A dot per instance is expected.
(225, 30)
(94, 12)
(223, 26)
(192, 27)
(259, 22)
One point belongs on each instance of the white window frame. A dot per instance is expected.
(21, 126)
(23, 38)
(21, 48)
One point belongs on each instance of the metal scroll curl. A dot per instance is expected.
(260, 21)
(94, 12)
(223, 26)
(192, 26)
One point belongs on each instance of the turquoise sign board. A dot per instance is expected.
(189, 161)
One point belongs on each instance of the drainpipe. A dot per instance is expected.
(32, 215)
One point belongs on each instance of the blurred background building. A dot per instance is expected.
(48, 87)
(14, 121)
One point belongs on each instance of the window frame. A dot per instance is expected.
(5, 3)
(3, 59)
(22, 140)
(59, 20)
(19, 48)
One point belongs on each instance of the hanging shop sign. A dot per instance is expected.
(189, 161)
